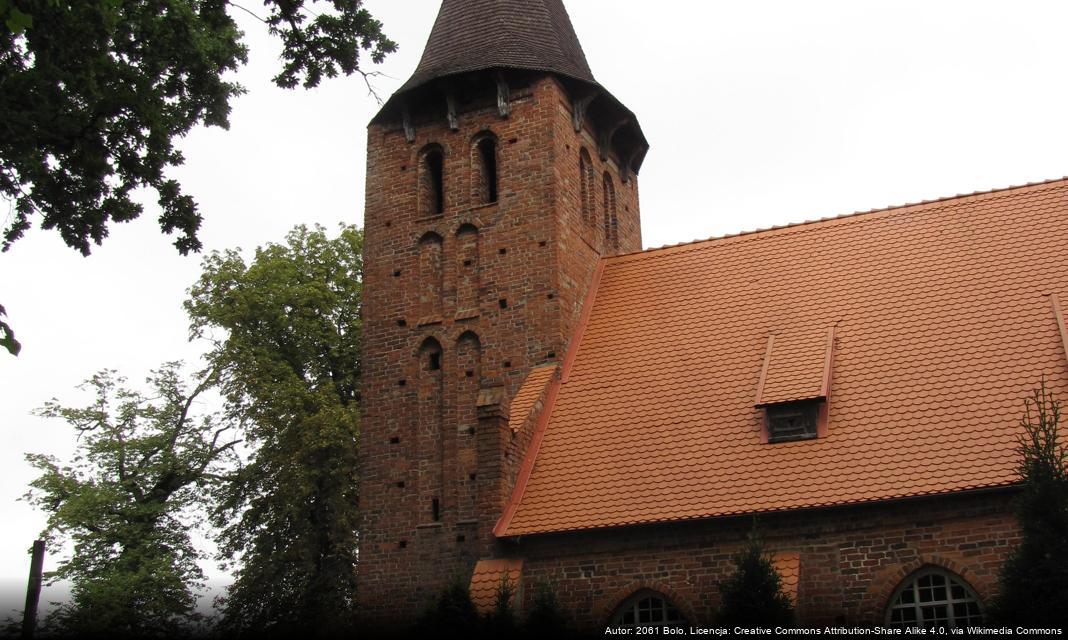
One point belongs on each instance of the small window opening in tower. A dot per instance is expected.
(435, 174)
(435, 510)
(434, 361)
(487, 154)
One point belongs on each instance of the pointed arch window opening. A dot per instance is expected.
(432, 182)
(586, 193)
(486, 158)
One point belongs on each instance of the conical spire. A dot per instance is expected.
(472, 35)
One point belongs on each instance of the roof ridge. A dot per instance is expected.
(843, 216)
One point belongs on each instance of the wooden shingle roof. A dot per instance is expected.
(473, 38)
(472, 35)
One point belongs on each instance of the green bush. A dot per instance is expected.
(753, 594)
(1033, 588)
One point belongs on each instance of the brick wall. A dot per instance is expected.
(458, 307)
(851, 558)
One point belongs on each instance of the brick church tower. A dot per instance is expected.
(497, 177)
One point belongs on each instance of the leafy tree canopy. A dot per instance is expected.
(126, 502)
(286, 334)
(753, 594)
(1033, 588)
(94, 92)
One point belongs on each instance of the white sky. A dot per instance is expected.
(759, 113)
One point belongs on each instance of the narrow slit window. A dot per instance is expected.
(487, 157)
(435, 510)
(434, 361)
(432, 182)
(586, 195)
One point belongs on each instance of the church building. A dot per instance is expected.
(544, 400)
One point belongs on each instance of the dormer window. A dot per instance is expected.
(795, 384)
(793, 420)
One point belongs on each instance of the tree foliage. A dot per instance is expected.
(7, 336)
(1033, 588)
(546, 620)
(94, 93)
(501, 621)
(286, 333)
(453, 614)
(752, 595)
(126, 502)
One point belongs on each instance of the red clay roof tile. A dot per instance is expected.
(487, 579)
(944, 323)
(788, 564)
(530, 393)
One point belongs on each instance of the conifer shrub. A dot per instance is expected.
(545, 619)
(1033, 585)
(501, 622)
(753, 594)
(452, 613)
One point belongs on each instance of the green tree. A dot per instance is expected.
(452, 614)
(127, 502)
(1033, 588)
(93, 94)
(545, 619)
(7, 336)
(501, 622)
(286, 334)
(753, 594)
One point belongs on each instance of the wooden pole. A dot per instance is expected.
(33, 589)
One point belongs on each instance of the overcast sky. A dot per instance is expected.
(758, 113)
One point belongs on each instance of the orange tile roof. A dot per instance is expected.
(943, 322)
(796, 366)
(531, 393)
(486, 581)
(788, 564)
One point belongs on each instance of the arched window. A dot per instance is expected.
(431, 181)
(467, 270)
(484, 165)
(936, 597)
(586, 188)
(647, 608)
(430, 277)
(611, 223)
